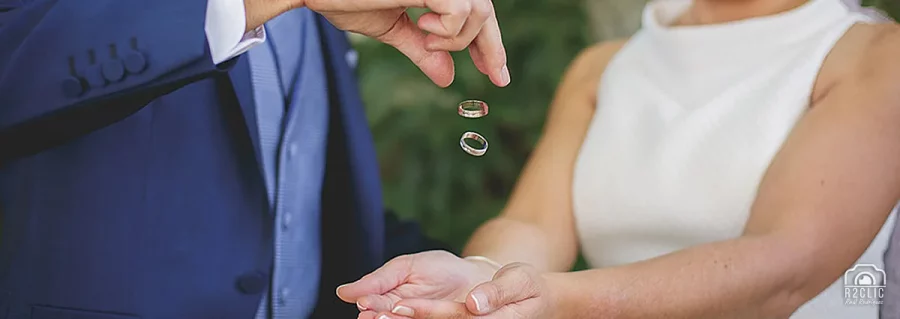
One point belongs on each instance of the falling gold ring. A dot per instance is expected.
(472, 109)
(474, 151)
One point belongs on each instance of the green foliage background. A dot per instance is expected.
(425, 174)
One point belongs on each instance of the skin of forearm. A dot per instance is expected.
(507, 240)
(748, 277)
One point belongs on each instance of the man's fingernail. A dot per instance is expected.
(383, 317)
(360, 307)
(480, 300)
(403, 311)
(338, 289)
(504, 75)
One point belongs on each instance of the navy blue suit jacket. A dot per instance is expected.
(130, 185)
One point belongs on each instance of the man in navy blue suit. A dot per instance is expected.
(193, 159)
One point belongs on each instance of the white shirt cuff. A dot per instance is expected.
(225, 24)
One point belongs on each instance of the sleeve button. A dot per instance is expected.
(72, 87)
(94, 76)
(135, 62)
(113, 70)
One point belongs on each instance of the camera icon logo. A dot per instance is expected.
(864, 285)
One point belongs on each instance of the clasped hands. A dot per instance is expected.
(440, 285)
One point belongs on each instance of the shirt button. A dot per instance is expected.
(292, 149)
(352, 58)
(287, 220)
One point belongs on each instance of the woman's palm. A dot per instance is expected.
(429, 275)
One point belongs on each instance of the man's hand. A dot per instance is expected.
(435, 275)
(517, 291)
(452, 25)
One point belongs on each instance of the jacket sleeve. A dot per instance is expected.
(408, 237)
(68, 67)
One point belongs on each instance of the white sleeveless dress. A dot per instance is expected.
(687, 121)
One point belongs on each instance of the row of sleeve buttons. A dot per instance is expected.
(100, 75)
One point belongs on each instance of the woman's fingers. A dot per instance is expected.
(367, 315)
(384, 279)
(428, 309)
(377, 303)
(441, 309)
(512, 283)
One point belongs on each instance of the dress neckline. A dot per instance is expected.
(695, 45)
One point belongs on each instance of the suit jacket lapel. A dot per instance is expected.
(242, 84)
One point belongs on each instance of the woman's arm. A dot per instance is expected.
(822, 201)
(537, 224)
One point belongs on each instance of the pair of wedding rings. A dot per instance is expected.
(473, 109)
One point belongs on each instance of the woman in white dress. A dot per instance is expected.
(733, 159)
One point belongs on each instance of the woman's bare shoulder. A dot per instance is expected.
(585, 70)
(868, 54)
(862, 76)
(593, 60)
(880, 59)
